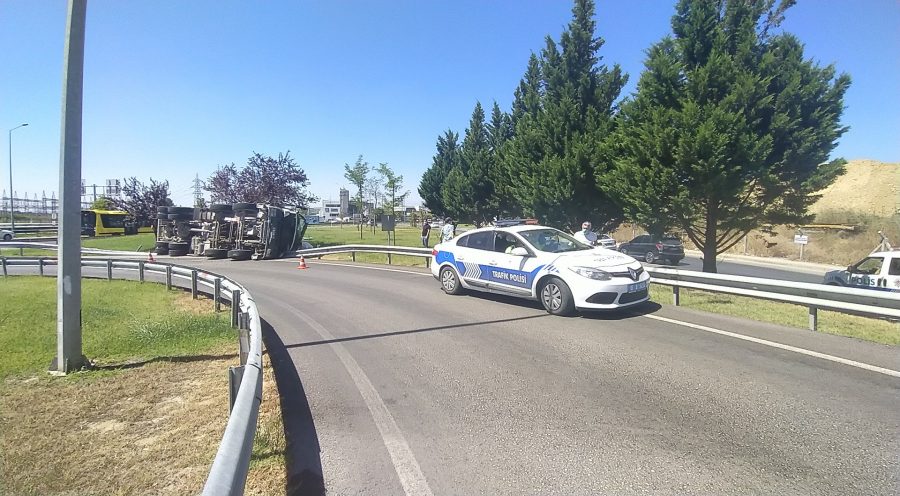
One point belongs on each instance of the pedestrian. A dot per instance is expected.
(585, 235)
(448, 230)
(426, 232)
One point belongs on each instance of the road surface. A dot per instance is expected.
(391, 387)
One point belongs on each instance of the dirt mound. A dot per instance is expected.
(869, 187)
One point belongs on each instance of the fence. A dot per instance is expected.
(865, 302)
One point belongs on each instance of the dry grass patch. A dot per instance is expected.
(150, 429)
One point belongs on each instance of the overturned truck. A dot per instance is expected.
(239, 231)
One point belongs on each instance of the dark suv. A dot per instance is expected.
(650, 249)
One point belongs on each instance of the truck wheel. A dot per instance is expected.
(162, 248)
(216, 253)
(238, 255)
(243, 207)
(180, 216)
(178, 249)
(220, 207)
(180, 210)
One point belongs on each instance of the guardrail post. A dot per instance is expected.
(217, 297)
(353, 255)
(109, 270)
(235, 374)
(194, 284)
(389, 258)
(235, 307)
(168, 277)
(676, 295)
(427, 262)
(244, 337)
(3, 263)
(813, 318)
(41, 266)
(21, 251)
(141, 271)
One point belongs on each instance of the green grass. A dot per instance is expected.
(143, 242)
(121, 321)
(332, 235)
(876, 330)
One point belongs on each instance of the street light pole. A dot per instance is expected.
(12, 219)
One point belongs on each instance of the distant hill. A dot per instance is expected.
(869, 187)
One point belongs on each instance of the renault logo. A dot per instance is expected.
(633, 273)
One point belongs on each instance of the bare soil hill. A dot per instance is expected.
(868, 187)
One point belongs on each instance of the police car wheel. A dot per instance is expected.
(557, 297)
(449, 281)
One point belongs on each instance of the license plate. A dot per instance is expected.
(638, 286)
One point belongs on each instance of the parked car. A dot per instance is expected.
(667, 249)
(606, 241)
(7, 235)
(540, 263)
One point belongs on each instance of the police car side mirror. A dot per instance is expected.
(519, 252)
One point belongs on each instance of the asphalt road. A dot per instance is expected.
(391, 387)
(764, 268)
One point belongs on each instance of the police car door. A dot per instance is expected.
(866, 273)
(472, 258)
(510, 273)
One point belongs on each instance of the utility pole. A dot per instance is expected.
(198, 190)
(68, 275)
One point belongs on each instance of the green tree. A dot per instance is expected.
(444, 160)
(357, 174)
(730, 127)
(102, 203)
(500, 131)
(558, 145)
(393, 185)
(477, 168)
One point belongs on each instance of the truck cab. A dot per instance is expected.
(879, 271)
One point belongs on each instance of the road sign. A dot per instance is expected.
(801, 239)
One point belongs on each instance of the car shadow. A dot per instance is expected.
(644, 308)
(302, 452)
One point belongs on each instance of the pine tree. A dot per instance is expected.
(730, 128)
(444, 160)
(560, 128)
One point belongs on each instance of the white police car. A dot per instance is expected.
(540, 263)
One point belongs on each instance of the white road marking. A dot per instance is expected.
(408, 471)
(773, 344)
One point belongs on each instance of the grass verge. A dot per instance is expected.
(143, 242)
(147, 420)
(875, 330)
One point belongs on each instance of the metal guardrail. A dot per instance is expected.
(228, 473)
(881, 304)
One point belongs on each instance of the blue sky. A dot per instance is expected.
(175, 88)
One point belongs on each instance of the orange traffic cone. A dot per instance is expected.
(302, 264)
(150, 257)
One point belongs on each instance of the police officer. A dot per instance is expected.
(585, 235)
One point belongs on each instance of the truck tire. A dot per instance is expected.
(162, 210)
(180, 216)
(162, 248)
(181, 210)
(243, 207)
(216, 253)
(177, 249)
(220, 207)
(238, 255)
(162, 216)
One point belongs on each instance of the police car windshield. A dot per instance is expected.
(553, 241)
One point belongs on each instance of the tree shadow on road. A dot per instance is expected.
(625, 313)
(414, 331)
(304, 465)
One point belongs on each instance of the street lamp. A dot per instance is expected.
(12, 220)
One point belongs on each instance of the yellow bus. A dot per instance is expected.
(109, 223)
